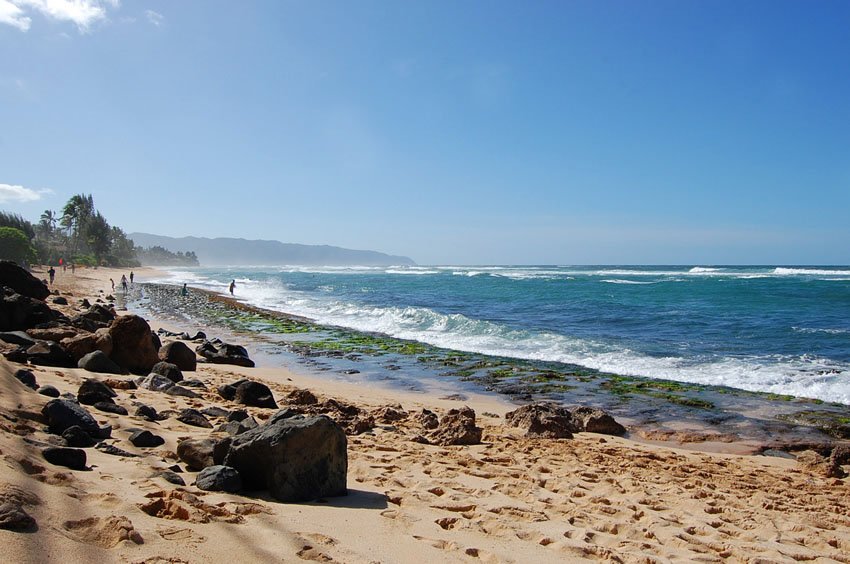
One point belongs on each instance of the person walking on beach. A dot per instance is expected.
(73, 267)
(113, 284)
(185, 290)
(232, 286)
(131, 276)
(124, 283)
(52, 274)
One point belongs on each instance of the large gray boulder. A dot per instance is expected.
(63, 413)
(219, 478)
(97, 361)
(295, 458)
(198, 454)
(543, 421)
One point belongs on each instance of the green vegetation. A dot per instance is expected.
(15, 246)
(160, 256)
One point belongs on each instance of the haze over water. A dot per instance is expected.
(760, 328)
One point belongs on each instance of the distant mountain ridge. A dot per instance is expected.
(243, 252)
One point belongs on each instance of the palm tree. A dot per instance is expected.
(48, 222)
(75, 215)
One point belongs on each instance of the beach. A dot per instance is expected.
(508, 499)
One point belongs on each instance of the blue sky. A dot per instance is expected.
(560, 132)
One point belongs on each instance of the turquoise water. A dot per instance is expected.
(761, 328)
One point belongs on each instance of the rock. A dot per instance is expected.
(301, 397)
(92, 391)
(85, 343)
(100, 314)
(21, 281)
(219, 352)
(228, 391)
(215, 411)
(114, 450)
(132, 344)
(48, 353)
(219, 478)
(98, 361)
(457, 427)
(20, 338)
(27, 378)
(14, 518)
(110, 407)
(237, 427)
(170, 477)
(145, 438)
(428, 419)
(200, 453)
(75, 437)
(390, 414)
(237, 415)
(55, 334)
(177, 390)
(194, 418)
(194, 383)
(168, 370)
(63, 413)
(18, 312)
(155, 382)
(254, 394)
(179, 354)
(296, 458)
(119, 384)
(73, 458)
(543, 420)
(593, 420)
(49, 391)
(147, 412)
(85, 303)
(60, 300)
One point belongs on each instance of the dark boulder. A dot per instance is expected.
(194, 418)
(228, 391)
(170, 476)
(18, 312)
(110, 407)
(254, 394)
(296, 458)
(98, 361)
(49, 391)
(155, 382)
(457, 427)
(169, 370)
(237, 415)
(219, 478)
(145, 438)
(21, 281)
(99, 313)
(132, 344)
(73, 458)
(92, 391)
(55, 334)
(60, 300)
(63, 413)
(114, 450)
(85, 343)
(237, 427)
(593, 420)
(301, 397)
(75, 437)
(48, 353)
(219, 352)
(215, 411)
(20, 338)
(178, 390)
(26, 377)
(147, 412)
(543, 420)
(180, 354)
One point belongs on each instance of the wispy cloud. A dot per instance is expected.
(12, 15)
(20, 194)
(154, 17)
(82, 13)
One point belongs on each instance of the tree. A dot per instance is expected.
(75, 215)
(15, 221)
(15, 246)
(98, 235)
(48, 222)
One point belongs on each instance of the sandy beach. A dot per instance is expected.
(507, 499)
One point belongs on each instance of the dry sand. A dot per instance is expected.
(509, 499)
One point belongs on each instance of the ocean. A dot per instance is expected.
(774, 329)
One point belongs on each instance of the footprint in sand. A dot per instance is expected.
(105, 533)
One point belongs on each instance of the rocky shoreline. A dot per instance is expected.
(177, 449)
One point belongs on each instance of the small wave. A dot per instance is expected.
(617, 281)
(821, 330)
(809, 272)
(410, 271)
(469, 273)
(702, 269)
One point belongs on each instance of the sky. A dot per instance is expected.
(452, 132)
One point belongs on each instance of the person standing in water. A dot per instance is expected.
(185, 290)
(232, 286)
(131, 276)
(124, 283)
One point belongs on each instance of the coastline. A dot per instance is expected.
(508, 499)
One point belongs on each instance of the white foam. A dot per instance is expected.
(702, 269)
(809, 272)
(617, 281)
(820, 330)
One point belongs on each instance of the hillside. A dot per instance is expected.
(241, 252)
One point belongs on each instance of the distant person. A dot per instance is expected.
(113, 284)
(73, 267)
(52, 274)
(124, 283)
(64, 266)
(232, 286)
(131, 276)
(185, 290)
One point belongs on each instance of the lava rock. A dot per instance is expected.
(94, 391)
(194, 418)
(147, 412)
(49, 391)
(48, 353)
(145, 438)
(219, 352)
(98, 361)
(155, 382)
(543, 420)
(169, 370)
(76, 437)
(197, 454)
(63, 413)
(133, 346)
(255, 394)
(72, 458)
(593, 420)
(110, 407)
(179, 354)
(219, 478)
(457, 427)
(26, 377)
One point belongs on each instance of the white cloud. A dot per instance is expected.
(154, 17)
(83, 13)
(12, 15)
(14, 193)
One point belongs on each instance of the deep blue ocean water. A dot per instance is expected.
(761, 328)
